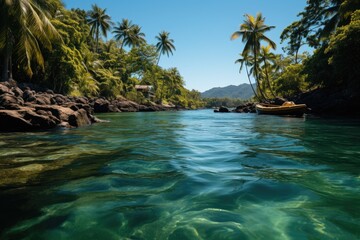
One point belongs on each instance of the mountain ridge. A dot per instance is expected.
(242, 91)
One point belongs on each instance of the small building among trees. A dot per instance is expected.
(146, 90)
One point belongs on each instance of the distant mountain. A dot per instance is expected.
(243, 91)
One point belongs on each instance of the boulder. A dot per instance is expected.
(17, 92)
(61, 113)
(4, 89)
(13, 121)
(79, 118)
(25, 119)
(223, 110)
(7, 100)
(29, 96)
(101, 105)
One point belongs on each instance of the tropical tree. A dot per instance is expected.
(267, 58)
(318, 21)
(99, 23)
(24, 26)
(122, 31)
(135, 37)
(247, 61)
(165, 44)
(252, 32)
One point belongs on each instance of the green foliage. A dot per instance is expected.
(344, 52)
(25, 27)
(65, 67)
(291, 81)
(165, 45)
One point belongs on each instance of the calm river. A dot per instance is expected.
(183, 175)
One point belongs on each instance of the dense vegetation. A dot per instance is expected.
(44, 43)
(330, 27)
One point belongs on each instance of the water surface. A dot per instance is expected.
(183, 175)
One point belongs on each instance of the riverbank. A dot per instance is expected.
(25, 108)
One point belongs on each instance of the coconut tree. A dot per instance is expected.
(99, 23)
(267, 57)
(247, 61)
(135, 37)
(122, 31)
(24, 25)
(253, 32)
(164, 45)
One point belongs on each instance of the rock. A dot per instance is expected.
(82, 100)
(128, 106)
(61, 113)
(223, 110)
(143, 108)
(17, 92)
(7, 100)
(245, 108)
(4, 89)
(79, 119)
(101, 105)
(29, 96)
(13, 121)
(42, 99)
(37, 121)
(25, 119)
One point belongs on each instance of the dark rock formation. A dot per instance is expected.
(245, 108)
(331, 101)
(222, 110)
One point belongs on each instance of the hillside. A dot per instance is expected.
(243, 91)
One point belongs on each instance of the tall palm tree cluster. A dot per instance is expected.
(254, 55)
(127, 33)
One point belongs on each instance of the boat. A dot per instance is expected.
(287, 108)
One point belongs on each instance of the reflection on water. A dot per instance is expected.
(183, 175)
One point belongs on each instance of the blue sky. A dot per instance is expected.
(201, 30)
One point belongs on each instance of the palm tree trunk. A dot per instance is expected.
(122, 45)
(257, 77)
(268, 81)
(158, 60)
(5, 65)
(248, 75)
(97, 40)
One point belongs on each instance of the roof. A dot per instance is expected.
(143, 87)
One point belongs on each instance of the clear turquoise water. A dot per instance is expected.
(184, 175)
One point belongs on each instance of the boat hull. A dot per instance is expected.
(292, 110)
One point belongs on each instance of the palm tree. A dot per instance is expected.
(122, 31)
(24, 25)
(266, 56)
(252, 33)
(98, 21)
(247, 61)
(164, 45)
(135, 37)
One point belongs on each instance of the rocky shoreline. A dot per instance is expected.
(24, 109)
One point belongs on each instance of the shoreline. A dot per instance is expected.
(23, 109)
